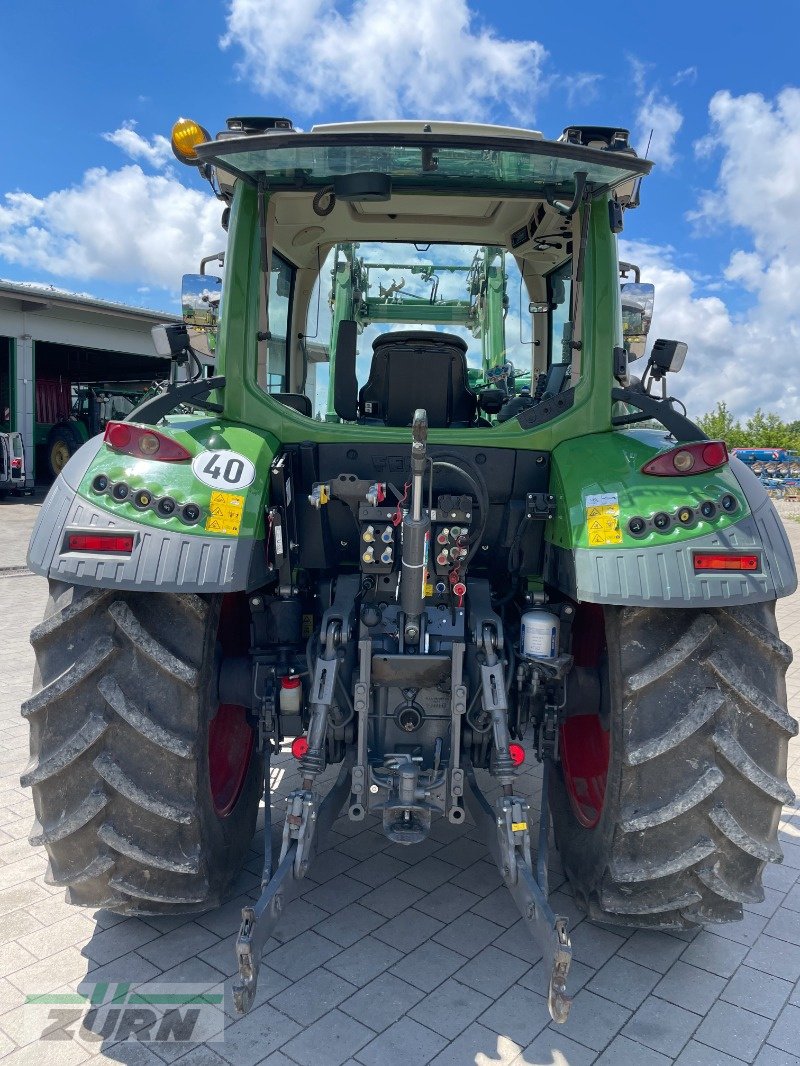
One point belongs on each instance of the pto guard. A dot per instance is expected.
(163, 559)
(658, 570)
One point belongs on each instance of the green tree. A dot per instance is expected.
(721, 425)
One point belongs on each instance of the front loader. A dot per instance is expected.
(424, 521)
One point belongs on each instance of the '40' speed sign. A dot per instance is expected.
(223, 470)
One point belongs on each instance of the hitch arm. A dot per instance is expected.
(260, 919)
(528, 892)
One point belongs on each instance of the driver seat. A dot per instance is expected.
(418, 368)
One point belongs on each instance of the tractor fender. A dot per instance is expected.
(658, 570)
(162, 560)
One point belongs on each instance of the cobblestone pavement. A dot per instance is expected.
(392, 955)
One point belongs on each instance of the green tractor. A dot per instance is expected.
(425, 521)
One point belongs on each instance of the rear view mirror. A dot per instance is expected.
(637, 314)
(200, 302)
(667, 356)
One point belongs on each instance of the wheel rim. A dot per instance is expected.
(584, 743)
(231, 738)
(59, 456)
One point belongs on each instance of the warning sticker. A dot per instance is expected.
(225, 513)
(602, 519)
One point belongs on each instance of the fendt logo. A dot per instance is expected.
(153, 1013)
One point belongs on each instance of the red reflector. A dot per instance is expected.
(299, 747)
(16, 464)
(100, 542)
(517, 753)
(144, 443)
(290, 683)
(677, 462)
(717, 561)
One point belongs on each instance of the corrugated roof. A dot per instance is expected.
(62, 297)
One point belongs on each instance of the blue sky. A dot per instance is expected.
(91, 201)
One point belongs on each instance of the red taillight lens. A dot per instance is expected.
(144, 443)
(16, 464)
(724, 561)
(100, 542)
(688, 459)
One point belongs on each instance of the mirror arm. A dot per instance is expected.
(568, 210)
(681, 427)
(153, 410)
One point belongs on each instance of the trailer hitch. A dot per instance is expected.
(260, 919)
(507, 834)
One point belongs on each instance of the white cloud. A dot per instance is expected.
(658, 120)
(157, 152)
(688, 74)
(582, 89)
(385, 58)
(122, 225)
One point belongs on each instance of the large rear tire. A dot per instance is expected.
(145, 790)
(676, 828)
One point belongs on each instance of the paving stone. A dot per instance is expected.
(428, 966)
(339, 892)
(480, 878)
(713, 953)
(48, 974)
(222, 955)
(298, 916)
(382, 1001)
(363, 961)
(348, 925)
(450, 1008)
(695, 1054)
(468, 934)
(594, 1021)
(377, 869)
(328, 1042)
(429, 874)
(492, 971)
(253, 1037)
(759, 992)
(735, 1031)
(363, 845)
(518, 1014)
(784, 925)
(330, 864)
(462, 853)
(408, 930)
(553, 1048)
(792, 899)
(658, 951)
(747, 931)
(179, 944)
(14, 957)
(406, 1043)
(771, 1056)
(312, 996)
(480, 1046)
(625, 1052)
(689, 987)
(446, 902)
(411, 854)
(661, 1026)
(595, 946)
(786, 1033)
(109, 944)
(130, 968)
(622, 981)
(301, 955)
(228, 918)
(518, 941)
(392, 898)
(775, 957)
(498, 907)
(770, 903)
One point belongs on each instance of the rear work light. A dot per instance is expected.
(100, 542)
(688, 459)
(725, 561)
(144, 443)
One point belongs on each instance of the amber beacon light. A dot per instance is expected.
(186, 135)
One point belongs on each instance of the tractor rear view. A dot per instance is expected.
(414, 521)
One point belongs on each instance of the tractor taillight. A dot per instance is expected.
(299, 747)
(517, 753)
(100, 542)
(144, 443)
(688, 459)
(704, 561)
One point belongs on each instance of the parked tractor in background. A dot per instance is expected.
(68, 414)
(415, 570)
